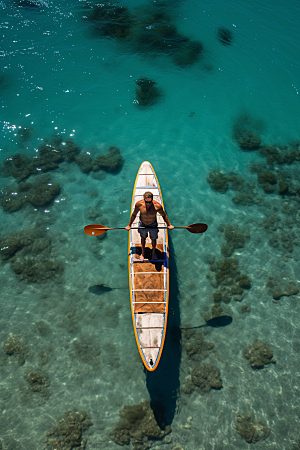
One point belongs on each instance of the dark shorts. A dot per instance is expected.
(151, 229)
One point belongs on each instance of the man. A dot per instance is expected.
(148, 208)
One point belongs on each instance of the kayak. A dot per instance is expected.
(148, 279)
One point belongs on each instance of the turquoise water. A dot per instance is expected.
(58, 77)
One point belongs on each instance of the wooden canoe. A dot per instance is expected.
(149, 280)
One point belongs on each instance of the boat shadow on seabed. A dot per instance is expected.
(163, 384)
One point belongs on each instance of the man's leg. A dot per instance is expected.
(153, 249)
(143, 242)
(153, 231)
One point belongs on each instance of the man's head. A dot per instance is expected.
(148, 197)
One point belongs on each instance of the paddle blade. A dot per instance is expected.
(197, 228)
(95, 230)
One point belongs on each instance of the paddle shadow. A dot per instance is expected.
(163, 384)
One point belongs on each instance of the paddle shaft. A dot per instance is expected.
(134, 228)
(138, 228)
(97, 229)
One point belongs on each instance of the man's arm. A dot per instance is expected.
(163, 213)
(132, 217)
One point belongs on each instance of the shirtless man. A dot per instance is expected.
(148, 209)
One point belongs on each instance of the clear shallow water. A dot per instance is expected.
(59, 78)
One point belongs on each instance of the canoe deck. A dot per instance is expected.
(149, 280)
(149, 286)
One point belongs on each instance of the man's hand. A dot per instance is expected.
(171, 227)
(128, 227)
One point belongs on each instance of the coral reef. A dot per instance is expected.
(271, 223)
(49, 156)
(224, 35)
(280, 183)
(216, 311)
(13, 243)
(13, 345)
(38, 382)
(205, 377)
(156, 34)
(283, 234)
(279, 288)
(266, 177)
(54, 151)
(276, 155)
(267, 181)
(110, 20)
(218, 181)
(226, 274)
(246, 198)
(70, 150)
(225, 270)
(150, 31)
(147, 92)
(246, 132)
(250, 431)
(12, 199)
(247, 140)
(258, 354)
(217, 296)
(287, 240)
(235, 238)
(245, 309)
(271, 154)
(42, 192)
(68, 434)
(244, 281)
(245, 192)
(111, 162)
(18, 166)
(51, 153)
(137, 425)
(37, 271)
(283, 187)
(30, 256)
(85, 162)
(195, 345)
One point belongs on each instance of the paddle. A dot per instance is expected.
(97, 230)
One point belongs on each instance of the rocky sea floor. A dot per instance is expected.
(68, 343)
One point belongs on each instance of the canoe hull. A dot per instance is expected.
(149, 280)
